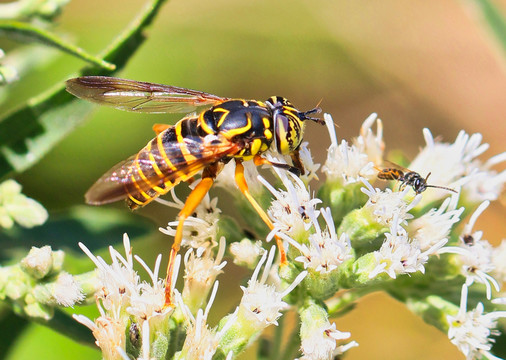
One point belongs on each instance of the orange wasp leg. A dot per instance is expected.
(189, 207)
(243, 186)
(158, 128)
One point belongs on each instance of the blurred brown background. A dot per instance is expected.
(416, 63)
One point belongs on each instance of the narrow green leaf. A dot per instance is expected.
(27, 32)
(494, 19)
(27, 134)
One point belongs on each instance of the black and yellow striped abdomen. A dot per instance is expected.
(174, 155)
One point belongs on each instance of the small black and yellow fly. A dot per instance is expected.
(228, 129)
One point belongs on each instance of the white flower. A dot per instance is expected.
(65, 291)
(386, 205)
(484, 182)
(456, 165)
(123, 297)
(290, 209)
(309, 166)
(108, 332)
(201, 271)
(226, 178)
(148, 300)
(400, 255)
(471, 331)
(246, 252)
(346, 163)
(201, 229)
(201, 342)
(435, 225)
(370, 143)
(326, 251)
(475, 255)
(321, 344)
(261, 303)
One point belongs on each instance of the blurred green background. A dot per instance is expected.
(417, 64)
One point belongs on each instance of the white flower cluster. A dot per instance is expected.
(122, 299)
(200, 229)
(400, 231)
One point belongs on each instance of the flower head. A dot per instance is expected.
(290, 209)
(202, 228)
(456, 165)
(475, 254)
(124, 298)
(387, 205)
(471, 331)
(261, 303)
(350, 163)
(326, 251)
(435, 225)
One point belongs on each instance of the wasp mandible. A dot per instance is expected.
(228, 129)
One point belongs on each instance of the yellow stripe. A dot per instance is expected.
(141, 172)
(162, 152)
(182, 145)
(203, 124)
(229, 134)
(268, 134)
(135, 200)
(139, 188)
(266, 122)
(255, 146)
(223, 117)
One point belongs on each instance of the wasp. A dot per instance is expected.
(225, 129)
(407, 177)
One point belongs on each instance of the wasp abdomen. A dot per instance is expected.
(390, 174)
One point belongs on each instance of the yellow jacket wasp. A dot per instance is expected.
(228, 129)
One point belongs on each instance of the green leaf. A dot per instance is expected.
(494, 19)
(94, 226)
(27, 134)
(27, 32)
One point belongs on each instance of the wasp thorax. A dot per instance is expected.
(288, 125)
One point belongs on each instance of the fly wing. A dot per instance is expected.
(139, 96)
(150, 173)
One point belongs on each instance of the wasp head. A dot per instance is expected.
(288, 123)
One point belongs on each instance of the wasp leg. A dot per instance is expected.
(243, 186)
(189, 207)
(158, 128)
(258, 160)
(297, 162)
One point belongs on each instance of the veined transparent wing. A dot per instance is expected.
(139, 96)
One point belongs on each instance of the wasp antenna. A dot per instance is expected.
(316, 110)
(441, 187)
(427, 177)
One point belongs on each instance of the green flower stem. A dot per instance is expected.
(27, 32)
(433, 310)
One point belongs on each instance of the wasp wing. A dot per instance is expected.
(139, 96)
(393, 165)
(150, 173)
